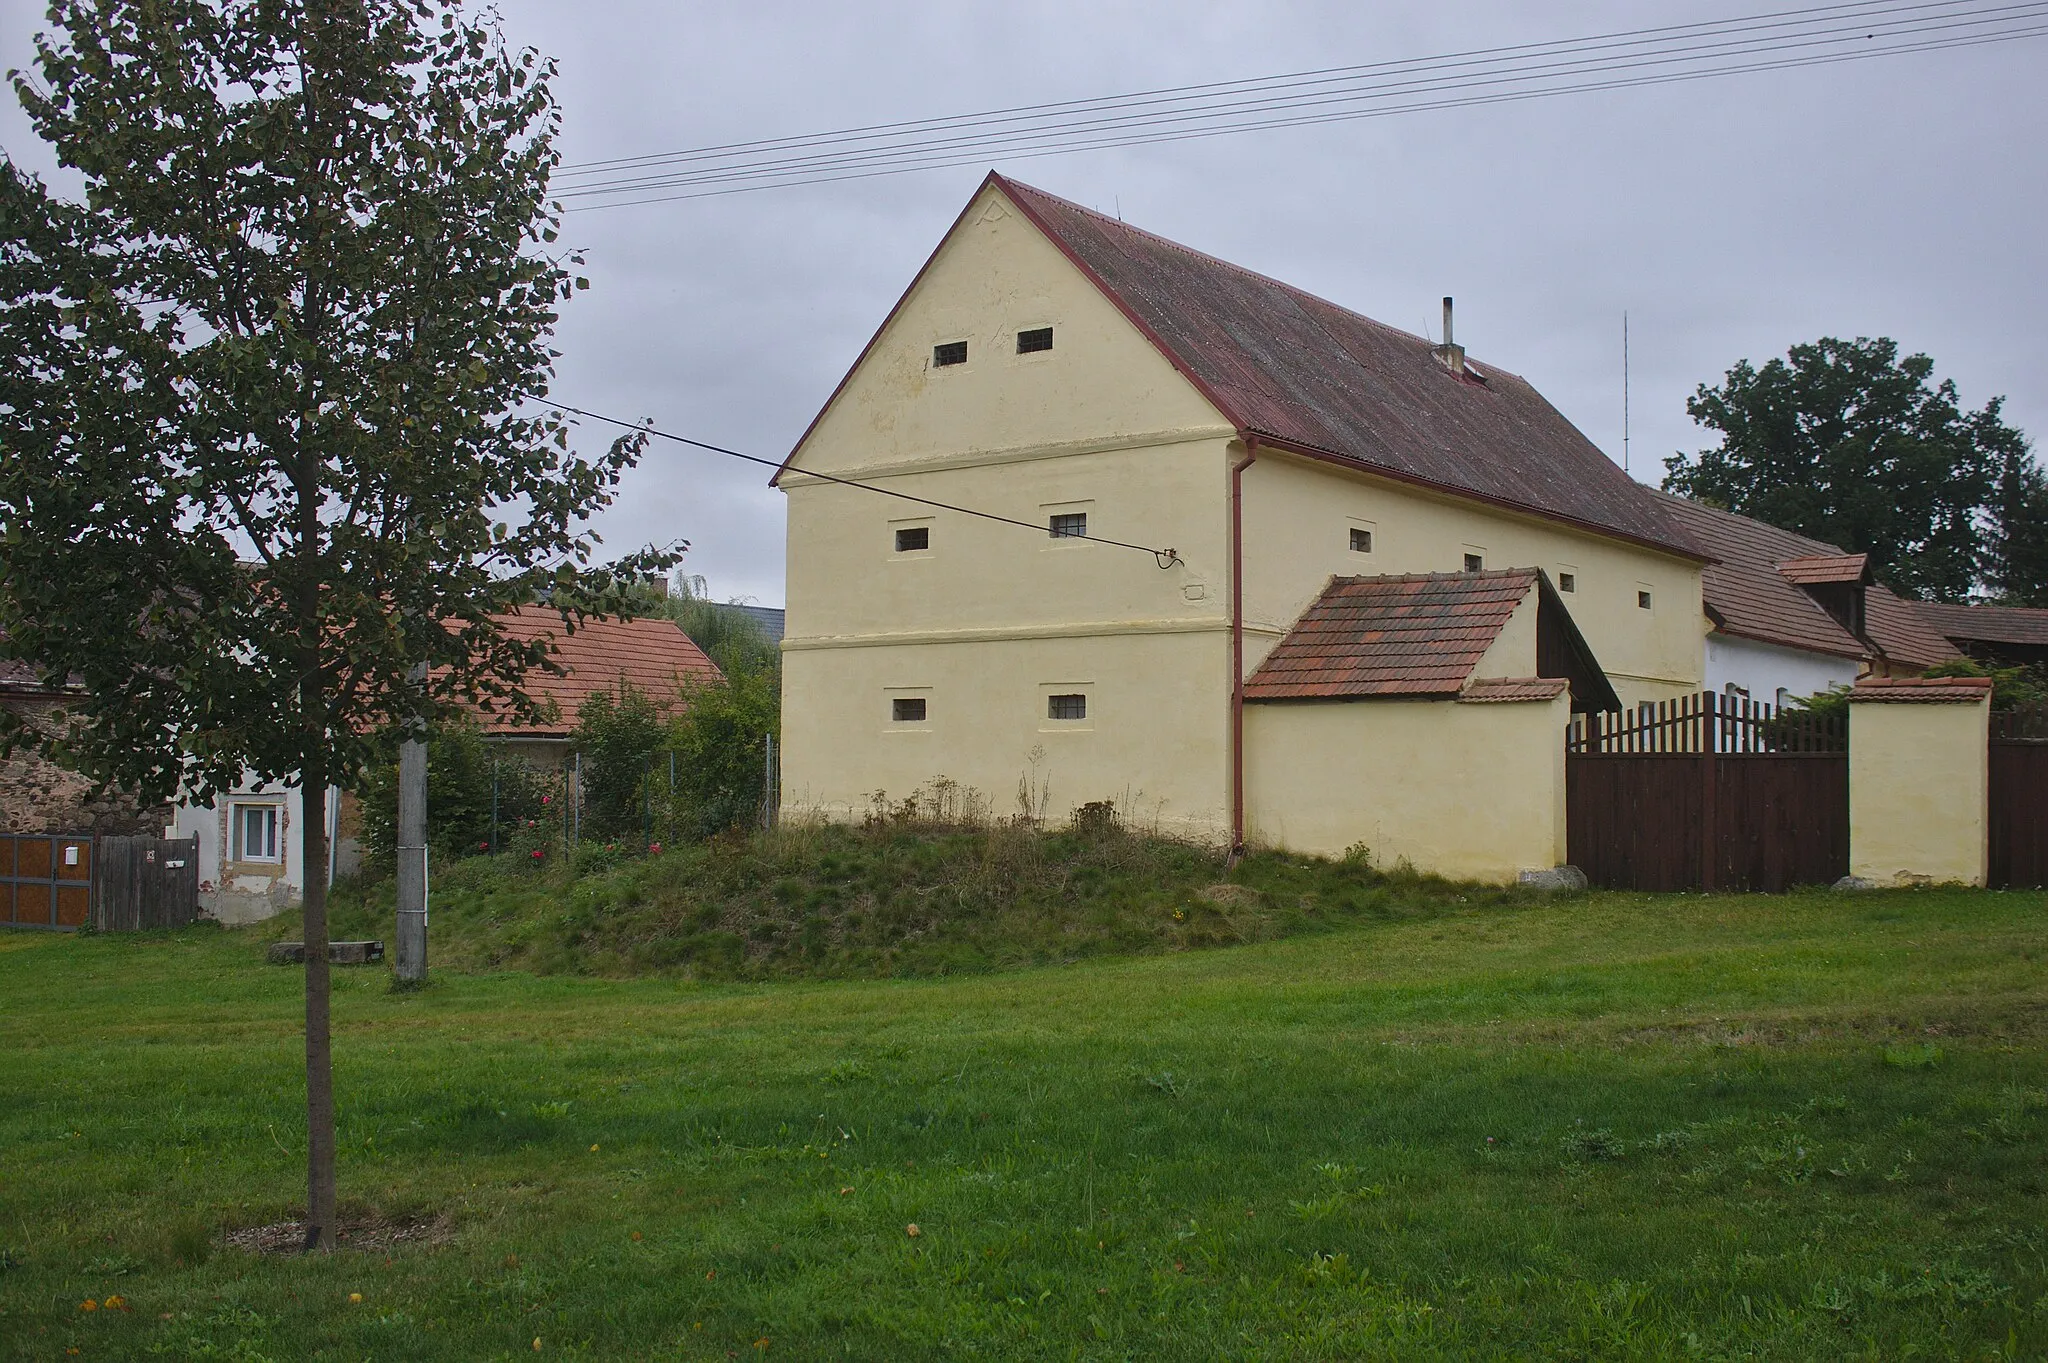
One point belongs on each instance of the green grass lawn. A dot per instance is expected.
(1812, 1126)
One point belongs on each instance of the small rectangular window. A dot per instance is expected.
(255, 833)
(1361, 541)
(912, 538)
(1474, 563)
(1031, 342)
(907, 709)
(1567, 582)
(1069, 525)
(949, 352)
(1643, 600)
(1066, 707)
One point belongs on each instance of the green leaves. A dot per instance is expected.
(267, 453)
(1849, 442)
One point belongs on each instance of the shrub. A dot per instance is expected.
(462, 769)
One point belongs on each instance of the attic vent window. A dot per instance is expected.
(1031, 342)
(907, 709)
(949, 352)
(1567, 582)
(1066, 707)
(1474, 563)
(1069, 525)
(913, 538)
(1643, 600)
(1361, 541)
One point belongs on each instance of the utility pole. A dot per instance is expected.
(412, 854)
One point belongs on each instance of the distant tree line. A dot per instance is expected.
(1853, 443)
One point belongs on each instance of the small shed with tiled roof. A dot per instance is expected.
(2008, 636)
(1421, 716)
(1434, 636)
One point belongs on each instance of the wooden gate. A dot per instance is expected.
(2019, 798)
(1707, 793)
(145, 883)
(45, 880)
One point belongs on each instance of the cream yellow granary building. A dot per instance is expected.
(1393, 572)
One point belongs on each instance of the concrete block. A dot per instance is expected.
(338, 953)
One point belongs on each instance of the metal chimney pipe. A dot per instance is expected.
(1448, 339)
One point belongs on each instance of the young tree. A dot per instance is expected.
(1849, 442)
(267, 471)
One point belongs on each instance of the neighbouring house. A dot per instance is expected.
(37, 795)
(1793, 616)
(767, 619)
(2002, 636)
(248, 858)
(1303, 472)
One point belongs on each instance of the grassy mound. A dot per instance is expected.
(835, 902)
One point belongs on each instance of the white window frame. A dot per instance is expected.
(238, 849)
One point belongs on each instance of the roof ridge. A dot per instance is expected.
(1007, 183)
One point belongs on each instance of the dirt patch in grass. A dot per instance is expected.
(369, 1232)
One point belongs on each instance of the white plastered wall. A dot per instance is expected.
(1761, 670)
(248, 891)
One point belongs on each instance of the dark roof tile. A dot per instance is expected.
(1305, 373)
(1990, 624)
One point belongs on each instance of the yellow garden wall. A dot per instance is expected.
(1299, 514)
(1470, 791)
(1919, 791)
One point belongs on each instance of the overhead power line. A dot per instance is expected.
(1165, 558)
(1854, 30)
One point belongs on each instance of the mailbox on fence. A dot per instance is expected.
(145, 883)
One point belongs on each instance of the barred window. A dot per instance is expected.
(949, 352)
(907, 709)
(1031, 342)
(912, 538)
(1070, 525)
(1066, 707)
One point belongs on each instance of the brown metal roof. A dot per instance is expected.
(1896, 626)
(1744, 590)
(1751, 598)
(653, 656)
(1817, 569)
(1991, 624)
(1304, 374)
(1492, 690)
(1416, 635)
(1921, 689)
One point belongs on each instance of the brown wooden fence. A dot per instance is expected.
(145, 883)
(2019, 798)
(45, 879)
(1707, 793)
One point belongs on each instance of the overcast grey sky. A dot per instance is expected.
(1731, 218)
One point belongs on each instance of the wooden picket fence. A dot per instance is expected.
(1707, 792)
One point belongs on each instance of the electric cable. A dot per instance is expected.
(1165, 558)
(1738, 45)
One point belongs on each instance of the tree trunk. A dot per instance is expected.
(319, 1045)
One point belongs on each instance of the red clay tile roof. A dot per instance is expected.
(1917, 689)
(1752, 599)
(1490, 690)
(1306, 374)
(1419, 635)
(1992, 624)
(1818, 568)
(654, 656)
